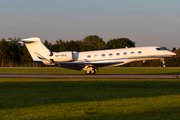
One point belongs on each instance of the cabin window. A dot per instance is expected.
(117, 54)
(139, 52)
(125, 53)
(89, 56)
(96, 55)
(103, 55)
(110, 54)
(132, 52)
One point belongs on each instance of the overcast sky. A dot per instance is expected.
(146, 22)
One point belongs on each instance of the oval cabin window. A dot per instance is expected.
(117, 54)
(125, 53)
(110, 54)
(139, 52)
(89, 56)
(96, 55)
(132, 52)
(103, 55)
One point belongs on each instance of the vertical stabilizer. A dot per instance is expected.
(34, 45)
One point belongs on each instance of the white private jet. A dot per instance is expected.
(89, 61)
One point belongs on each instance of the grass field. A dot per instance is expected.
(115, 70)
(89, 99)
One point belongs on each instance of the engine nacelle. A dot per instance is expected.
(61, 56)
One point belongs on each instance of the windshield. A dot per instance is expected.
(161, 48)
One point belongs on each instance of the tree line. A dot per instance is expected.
(14, 54)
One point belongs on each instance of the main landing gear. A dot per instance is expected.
(90, 70)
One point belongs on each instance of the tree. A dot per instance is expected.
(173, 49)
(60, 46)
(4, 46)
(73, 45)
(175, 60)
(119, 43)
(25, 57)
(92, 42)
(47, 44)
(13, 52)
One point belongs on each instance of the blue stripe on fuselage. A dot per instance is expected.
(37, 61)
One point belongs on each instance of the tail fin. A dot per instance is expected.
(34, 46)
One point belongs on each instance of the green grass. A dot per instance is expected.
(89, 99)
(115, 70)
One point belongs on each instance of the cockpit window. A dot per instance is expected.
(161, 48)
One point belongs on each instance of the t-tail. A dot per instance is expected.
(38, 51)
(41, 54)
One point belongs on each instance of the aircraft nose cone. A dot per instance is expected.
(172, 54)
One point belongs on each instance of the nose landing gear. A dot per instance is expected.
(163, 63)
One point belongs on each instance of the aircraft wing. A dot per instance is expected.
(81, 65)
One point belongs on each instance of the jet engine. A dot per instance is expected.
(61, 56)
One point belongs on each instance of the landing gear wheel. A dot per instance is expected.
(90, 69)
(93, 71)
(88, 72)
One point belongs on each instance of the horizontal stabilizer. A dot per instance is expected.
(33, 39)
(27, 40)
